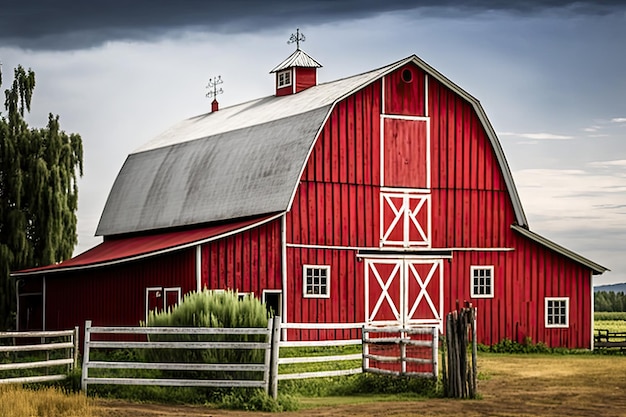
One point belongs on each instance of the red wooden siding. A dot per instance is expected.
(402, 97)
(345, 304)
(114, 295)
(406, 153)
(305, 78)
(249, 261)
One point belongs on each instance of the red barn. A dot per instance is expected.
(380, 198)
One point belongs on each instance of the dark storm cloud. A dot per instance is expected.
(72, 24)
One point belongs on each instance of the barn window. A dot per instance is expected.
(316, 281)
(407, 75)
(482, 281)
(284, 78)
(161, 298)
(557, 312)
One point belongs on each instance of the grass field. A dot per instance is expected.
(509, 385)
(45, 402)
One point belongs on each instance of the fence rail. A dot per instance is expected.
(401, 355)
(331, 359)
(606, 339)
(263, 368)
(69, 347)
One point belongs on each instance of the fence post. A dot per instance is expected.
(85, 370)
(274, 359)
(435, 351)
(365, 347)
(76, 345)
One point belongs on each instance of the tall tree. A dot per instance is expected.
(38, 190)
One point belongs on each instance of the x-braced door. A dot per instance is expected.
(404, 291)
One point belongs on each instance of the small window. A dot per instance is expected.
(407, 75)
(160, 299)
(316, 281)
(284, 78)
(482, 281)
(242, 295)
(557, 312)
(273, 300)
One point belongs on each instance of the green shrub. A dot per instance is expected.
(210, 309)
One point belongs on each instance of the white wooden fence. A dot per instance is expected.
(271, 333)
(69, 349)
(402, 352)
(271, 346)
(320, 343)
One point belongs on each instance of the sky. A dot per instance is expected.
(549, 74)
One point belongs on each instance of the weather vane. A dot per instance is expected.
(297, 38)
(212, 87)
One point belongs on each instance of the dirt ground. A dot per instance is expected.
(510, 385)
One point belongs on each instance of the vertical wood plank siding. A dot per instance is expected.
(114, 295)
(338, 204)
(249, 261)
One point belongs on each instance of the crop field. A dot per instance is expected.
(509, 385)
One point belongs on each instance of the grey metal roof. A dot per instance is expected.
(596, 269)
(230, 175)
(298, 59)
(242, 160)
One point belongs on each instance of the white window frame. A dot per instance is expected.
(473, 286)
(164, 291)
(264, 299)
(547, 316)
(281, 76)
(305, 294)
(242, 295)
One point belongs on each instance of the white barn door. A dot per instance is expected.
(404, 292)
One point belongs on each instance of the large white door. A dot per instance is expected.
(404, 291)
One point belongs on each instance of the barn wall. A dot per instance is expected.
(338, 204)
(249, 261)
(114, 295)
(305, 78)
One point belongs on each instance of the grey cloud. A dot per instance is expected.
(70, 24)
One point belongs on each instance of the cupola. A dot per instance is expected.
(296, 73)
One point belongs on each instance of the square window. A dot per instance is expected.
(481, 281)
(316, 281)
(557, 312)
(284, 78)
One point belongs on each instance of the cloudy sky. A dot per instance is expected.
(551, 76)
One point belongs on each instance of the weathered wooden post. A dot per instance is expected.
(85, 370)
(274, 357)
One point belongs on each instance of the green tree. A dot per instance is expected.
(38, 190)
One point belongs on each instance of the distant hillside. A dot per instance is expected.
(612, 287)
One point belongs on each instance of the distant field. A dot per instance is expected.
(611, 321)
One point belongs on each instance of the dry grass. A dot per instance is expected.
(510, 385)
(44, 402)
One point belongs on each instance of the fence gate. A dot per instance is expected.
(406, 351)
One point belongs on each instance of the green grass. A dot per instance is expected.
(609, 315)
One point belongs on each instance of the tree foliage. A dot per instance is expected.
(609, 301)
(38, 190)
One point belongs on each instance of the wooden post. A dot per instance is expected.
(76, 344)
(274, 358)
(435, 352)
(366, 351)
(474, 353)
(85, 370)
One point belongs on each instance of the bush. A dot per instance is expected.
(210, 309)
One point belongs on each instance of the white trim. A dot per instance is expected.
(264, 299)
(150, 254)
(405, 117)
(489, 268)
(198, 268)
(285, 84)
(164, 291)
(242, 295)
(545, 312)
(411, 205)
(304, 283)
(396, 190)
(395, 249)
(17, 306)
(283, 281)
(147, 305)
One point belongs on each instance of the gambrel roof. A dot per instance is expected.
(244, 160)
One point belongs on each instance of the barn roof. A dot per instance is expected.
(244, 160)
(298, 59)
(115, 251)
